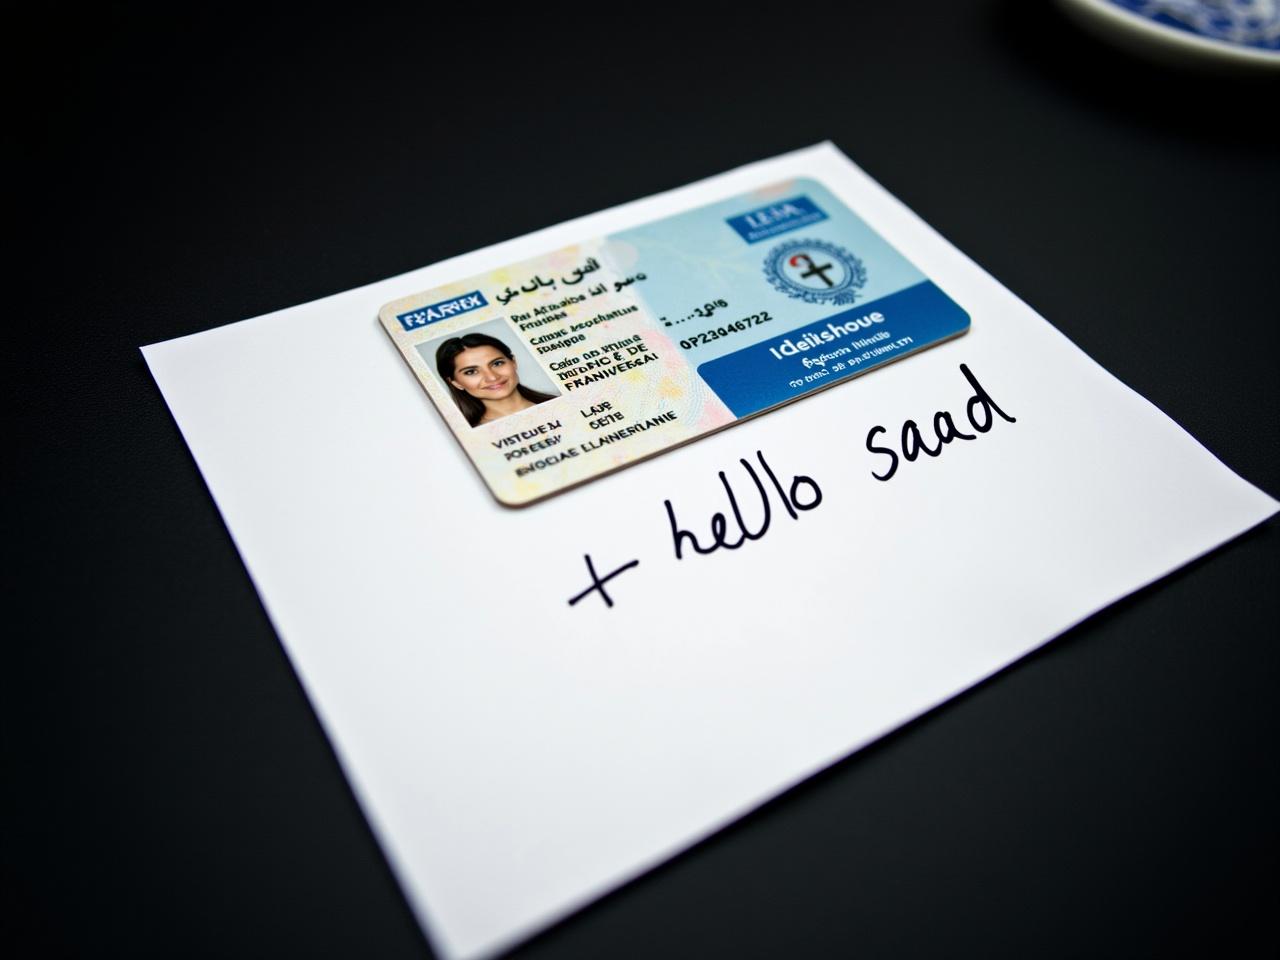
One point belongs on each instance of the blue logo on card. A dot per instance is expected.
(815, 271)
(443, 310)
(765, 222)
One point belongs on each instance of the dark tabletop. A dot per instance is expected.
(169, 791)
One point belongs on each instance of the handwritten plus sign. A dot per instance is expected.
(598, 582)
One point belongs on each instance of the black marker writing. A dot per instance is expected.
(791, 502)
(913, 444)
(743, 523)
(598, 582)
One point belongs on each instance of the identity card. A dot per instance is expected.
(587, 359)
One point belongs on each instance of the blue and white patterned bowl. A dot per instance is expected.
(1236, 32)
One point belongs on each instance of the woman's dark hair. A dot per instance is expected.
(447, 354)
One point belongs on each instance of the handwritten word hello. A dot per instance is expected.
(790, 498)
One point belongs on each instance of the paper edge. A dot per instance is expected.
(549, 233)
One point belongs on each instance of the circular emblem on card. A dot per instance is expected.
(815, 271)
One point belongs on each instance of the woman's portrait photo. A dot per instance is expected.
(482, 375)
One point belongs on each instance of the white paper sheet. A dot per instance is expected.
(519, 757)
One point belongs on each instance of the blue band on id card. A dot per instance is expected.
(560, 369)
